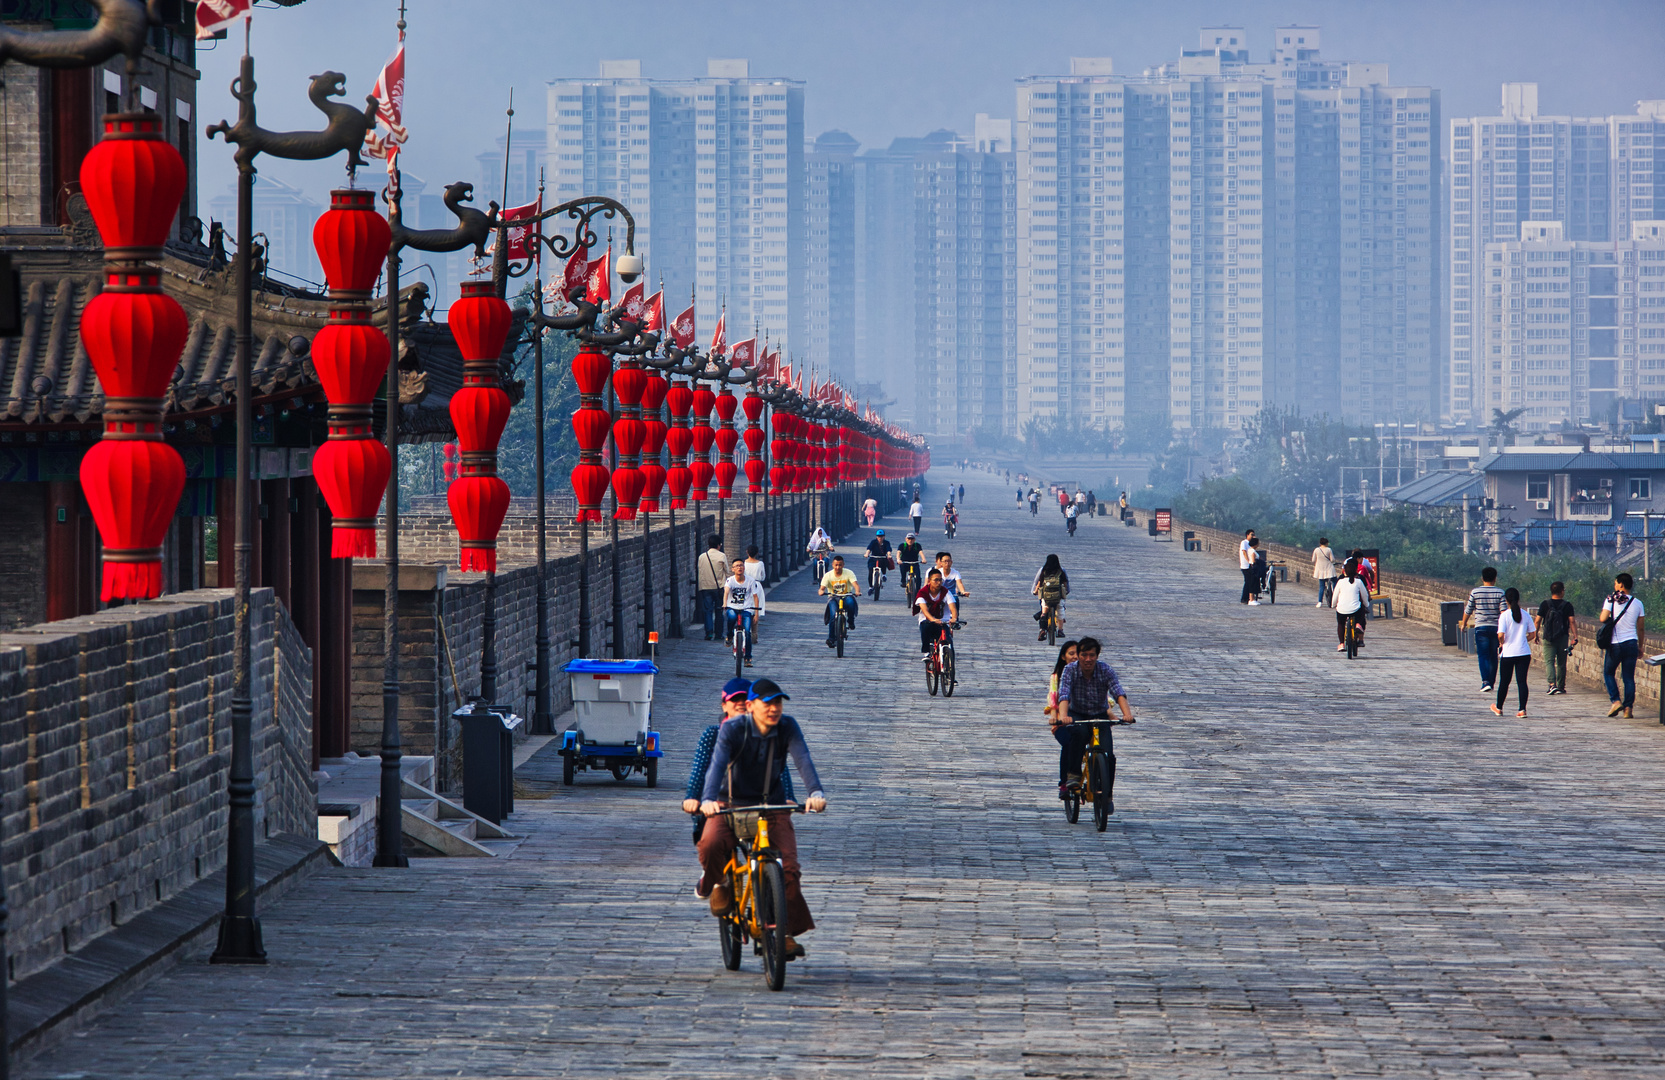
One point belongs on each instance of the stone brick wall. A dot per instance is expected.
(1419, 598)
(20, 196)
(114, 747)
(22, 573)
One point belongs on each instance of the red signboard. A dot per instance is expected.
(1164, 521)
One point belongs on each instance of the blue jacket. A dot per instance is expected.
(702, 762)
(753, 778)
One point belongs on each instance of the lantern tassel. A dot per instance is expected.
(132, 580)
(353, 543)
(483, 560)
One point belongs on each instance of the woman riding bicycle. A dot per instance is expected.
(1051, 585)
(820, 546)
(1066, 656)
(1352, 604)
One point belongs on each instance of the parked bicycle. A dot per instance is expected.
(758, 884)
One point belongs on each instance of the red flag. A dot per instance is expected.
(520, 246)
(598, 279)
(216, 15)
(743, 353)
(719, 337)
(653, 315)
(635, 302)
(577, 272)
(682, 330)
(389, 133)
(771, 363)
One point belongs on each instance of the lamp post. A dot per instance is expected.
(239, 939)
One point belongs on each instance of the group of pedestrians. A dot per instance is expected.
(1504, 633)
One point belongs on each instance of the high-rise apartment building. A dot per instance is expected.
(830, 257)
(1567, 328)
(1213, 235)
(712, 170)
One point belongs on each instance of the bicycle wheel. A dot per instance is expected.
(838, 633)
(1098, 770)
(948, 671)
(1051, 629)
(933, 673)
(1352, 639)
(739, 647)
(1072, 806)
(732, 937)
(1272, 588)
(771, 917)
(569, 769)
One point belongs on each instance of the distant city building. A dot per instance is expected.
(526, 163)
(1569, 328)
(1595, 177)
(284, 215)
(713, 171)
(830, 255)
(1213, 235)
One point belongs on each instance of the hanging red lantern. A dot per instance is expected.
(628, 382)
(678, 401)
(590, 369)
(479, 499)
(727, 439)
(351, 357)
(653, 441)
(699, 466)
(133, 333)
(778, 450)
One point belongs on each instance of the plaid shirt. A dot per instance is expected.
(1089, 692)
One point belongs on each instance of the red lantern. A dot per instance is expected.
(704, 435)
(351, 357)
(678, 401)
(628, 433)
(653, 441)
(479, 499)
(589, 426)
(727, 438)
(133, 333)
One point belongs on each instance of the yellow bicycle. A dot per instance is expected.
(758, 885)
(1098, 779)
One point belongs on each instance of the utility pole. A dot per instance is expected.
(1465, 523)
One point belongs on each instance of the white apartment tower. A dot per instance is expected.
(1214, 235)
(1568, 328)
(712, 170)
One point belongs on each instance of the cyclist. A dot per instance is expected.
(820, 545)
(952, 580)
(870, 508)
(1085, 690)
(1051, 585)
(748, 767)
(742, 603)
(841, 588)
(878, 555)
(916, 512)
(950, 518)
(1034, 501)
(908, 557)
(1066, 655)
(1069, 518)
(936, 609)
(734, 704)
(1351, 597)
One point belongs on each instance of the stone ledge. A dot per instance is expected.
(51, 1004)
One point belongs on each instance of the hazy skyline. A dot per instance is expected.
(882, 70)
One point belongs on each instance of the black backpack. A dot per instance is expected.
(1556, 624)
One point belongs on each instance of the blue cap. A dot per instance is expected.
(880, 532)
(736, 686)
(767, 690)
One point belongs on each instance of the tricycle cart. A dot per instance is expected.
(612, 701)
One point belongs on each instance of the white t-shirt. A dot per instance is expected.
(951, 582)
(1350, 596)
(755, 570)
(1245, 555)
(916, 510)
(1624, 627)
(738, 593)
(1511, 635)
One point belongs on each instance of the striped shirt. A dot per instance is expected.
(1484, 603)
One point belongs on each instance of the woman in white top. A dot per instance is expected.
(1516, 634)
(1352, 601)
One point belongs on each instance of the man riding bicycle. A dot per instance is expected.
(1085, 691)
(743, 604)
(909, 557)
(841, 586)
(748, 768)
(950, 519)
(937, 612)
(951, 579)
(878, 555)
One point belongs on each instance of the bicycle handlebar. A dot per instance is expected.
(796, 808)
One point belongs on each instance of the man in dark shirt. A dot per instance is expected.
(1085, 690)
(1558, 633)
(911, 553)
(878, 554)
(748, 767)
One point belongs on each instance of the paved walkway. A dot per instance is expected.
(1316, 868)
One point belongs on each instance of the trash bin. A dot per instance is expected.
(488, 760)
(612, 702)
(1451, 613)
(1152, 524)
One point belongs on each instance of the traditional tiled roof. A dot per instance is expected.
(46, 378)
(1441, 487)
(1552, 460)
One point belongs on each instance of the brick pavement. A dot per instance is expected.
(1316, 869)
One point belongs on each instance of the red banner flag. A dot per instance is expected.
(635, 302)
(653, 317)
(215, 15)
(520, 245)
(682, 331)
(743, 353)
(719, 337)
(389, 133)
(577, 272)
(598, 279)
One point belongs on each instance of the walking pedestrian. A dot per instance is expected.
(1092, 503)
(917, 512)
(1516, 632)
(1628, 635)
(1484, 603)
(1323, 570)
(713, 568)
(1246, 563)
(1557, 633)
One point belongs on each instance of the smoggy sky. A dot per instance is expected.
(883, 68)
